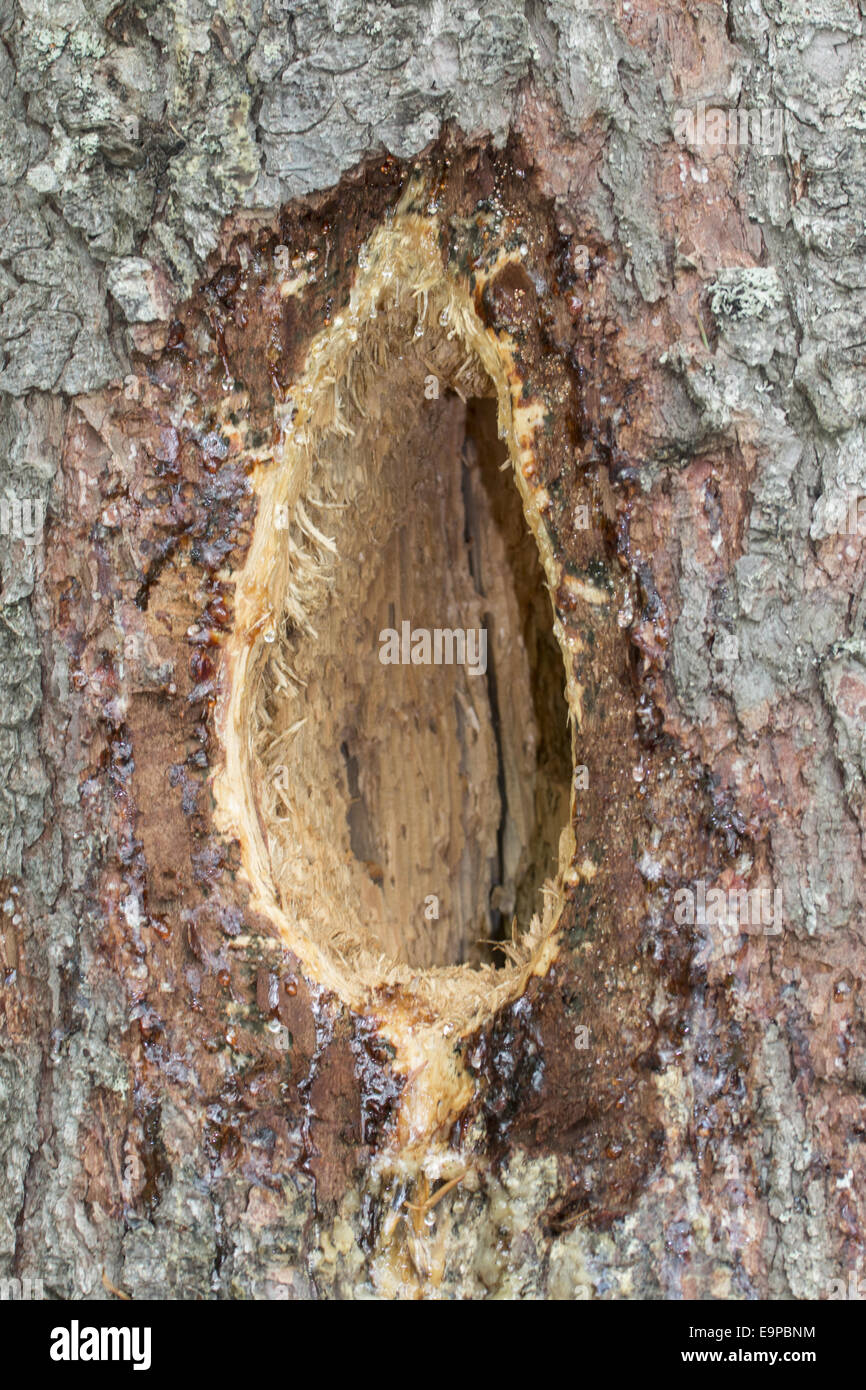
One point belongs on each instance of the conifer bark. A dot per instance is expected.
(673, 1108)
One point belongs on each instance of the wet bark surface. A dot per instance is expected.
(675, 1109)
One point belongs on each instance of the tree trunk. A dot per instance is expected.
(433, 674)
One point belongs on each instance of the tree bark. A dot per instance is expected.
(646, 223)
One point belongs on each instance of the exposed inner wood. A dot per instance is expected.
(441, 788)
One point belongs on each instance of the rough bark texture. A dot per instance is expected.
(699, 311)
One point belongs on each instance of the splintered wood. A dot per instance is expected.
(423, 777)
(396, 715)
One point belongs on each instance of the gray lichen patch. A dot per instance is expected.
(751, 292)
